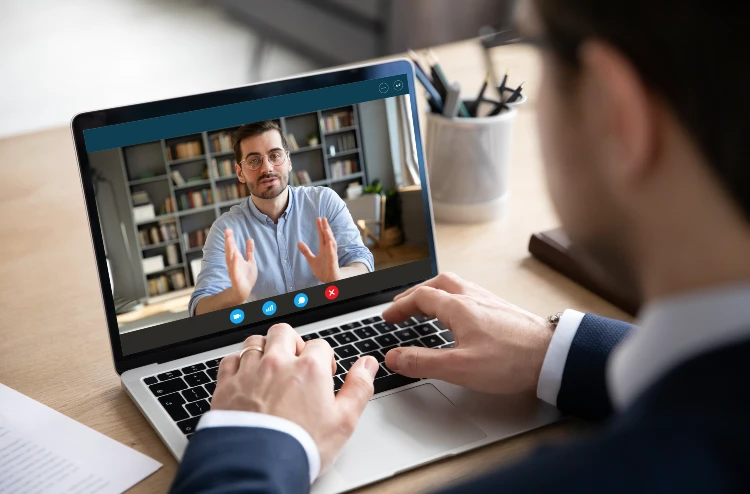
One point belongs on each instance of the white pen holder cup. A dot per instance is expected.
(468, 161)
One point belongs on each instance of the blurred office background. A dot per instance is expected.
(59, 58)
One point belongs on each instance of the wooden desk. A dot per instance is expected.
(54, 345)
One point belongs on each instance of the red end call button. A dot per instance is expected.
(332, 292)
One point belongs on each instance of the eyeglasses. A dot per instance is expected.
(276, 157)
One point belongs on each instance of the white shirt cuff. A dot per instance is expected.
(553, 367)
(234, 418)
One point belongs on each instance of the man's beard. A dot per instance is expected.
(268, 191)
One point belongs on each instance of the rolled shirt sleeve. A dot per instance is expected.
(347, 235)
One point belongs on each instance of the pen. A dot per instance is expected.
(440, 80)
(516, 94)
(501, 87)
(452, 99)
(500, 107)
(415, 58)
(475, 106)
(433, 97)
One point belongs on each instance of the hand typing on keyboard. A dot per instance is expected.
(293, 379)
(499, 348)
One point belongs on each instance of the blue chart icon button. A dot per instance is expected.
(300, 300)
(269, 308)
(237, 316)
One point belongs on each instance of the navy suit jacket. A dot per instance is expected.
(688, 432)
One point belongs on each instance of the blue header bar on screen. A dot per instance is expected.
(220, 117)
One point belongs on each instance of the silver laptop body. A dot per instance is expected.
(402, 428)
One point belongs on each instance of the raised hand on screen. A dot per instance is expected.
(325, 265)
(243, 270)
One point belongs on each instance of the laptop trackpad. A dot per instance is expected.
(402, 430)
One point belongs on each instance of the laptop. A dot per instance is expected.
(160, 178)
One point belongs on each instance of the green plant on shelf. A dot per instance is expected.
(392, 202)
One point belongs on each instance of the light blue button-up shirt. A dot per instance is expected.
(281, 266)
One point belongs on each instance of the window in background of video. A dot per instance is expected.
(168, 194)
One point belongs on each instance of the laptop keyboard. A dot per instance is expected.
(185, 393)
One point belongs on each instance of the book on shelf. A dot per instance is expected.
(184, 150)
(341, 143)
(302, 177)
(223, 167)
(173, 256)
(168, 206)
(174, 280)
(140, 197)
(338, 120)
(292, 142)
(177, 177)
(221, 142)
(342, 168)
(196, 238)
(164, 232)
(195, 199)
(231, 191)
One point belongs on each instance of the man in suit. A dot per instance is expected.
(648, 169)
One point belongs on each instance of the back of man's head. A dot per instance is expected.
(691, 53)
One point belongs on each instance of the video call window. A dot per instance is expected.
(350, 175)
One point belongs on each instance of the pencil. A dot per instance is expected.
(500, 107)
(516, 93)
(416, 58)
(475, 106)
(501, 87)
(433, 96)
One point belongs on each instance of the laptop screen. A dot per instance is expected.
(245, 213)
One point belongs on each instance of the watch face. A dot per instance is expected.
(554, 319)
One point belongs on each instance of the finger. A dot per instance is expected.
(250, 359)
(331, 239)
(357, 390)
(431, 363)
(305, 251)
(250, 249)
(228, 243)
(448, 282)
(228, 366)
(426, 300)
(283, 341)
(319, 349)
(321, 232)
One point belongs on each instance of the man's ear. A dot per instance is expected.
(621, 107)
(238, 171)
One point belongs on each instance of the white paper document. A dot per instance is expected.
(43, 451)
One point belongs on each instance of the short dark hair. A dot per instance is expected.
(689, 52)
(255, 129)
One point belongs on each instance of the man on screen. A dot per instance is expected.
(264, 246)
